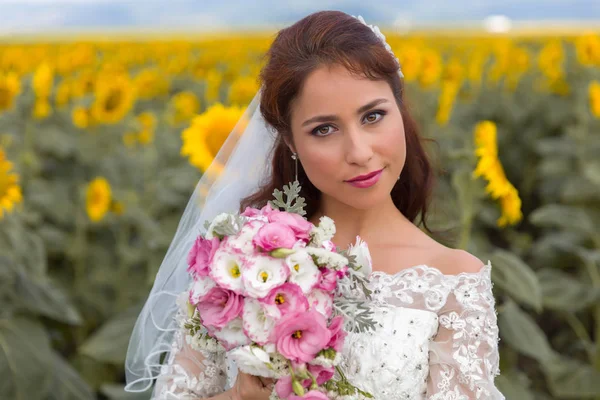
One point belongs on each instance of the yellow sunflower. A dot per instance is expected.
(10, 191)
(81, 117)
(242, 90)
(490, 168)
(594, 91)
(185, 105)
(10, 87)
(43, 80)
(203, 139)
(114, 98)
(98, 199)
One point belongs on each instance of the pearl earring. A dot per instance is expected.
(295, 158)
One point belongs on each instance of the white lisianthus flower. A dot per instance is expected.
(257, 325)
(252, 360)
(360, 250)
(232, 335)
(303, 271)
(200, 287)
(262, 273)
(321, 301)
(243, 240)
(326, 258)
(226, 270)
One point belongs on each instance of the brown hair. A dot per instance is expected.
(328, 38)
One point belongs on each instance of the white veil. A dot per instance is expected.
(236, 172)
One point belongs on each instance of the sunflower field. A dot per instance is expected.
(103, 140)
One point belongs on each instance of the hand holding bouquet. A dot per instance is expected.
(271, 289)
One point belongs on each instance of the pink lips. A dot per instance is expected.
(365, 181)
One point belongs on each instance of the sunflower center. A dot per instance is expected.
(279, 299)
(235, 271)
(113, 100)
(264, 276)
(297, 334)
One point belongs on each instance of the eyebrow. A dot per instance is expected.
(323, 118)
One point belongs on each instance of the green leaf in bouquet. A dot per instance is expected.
(293, 202)
(25, 359)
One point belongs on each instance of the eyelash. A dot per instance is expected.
(316, 130)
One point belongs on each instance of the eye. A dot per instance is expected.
(371, 117)
(321, 130)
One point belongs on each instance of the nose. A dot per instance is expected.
(358, 147)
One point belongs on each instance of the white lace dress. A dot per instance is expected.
(437, 339)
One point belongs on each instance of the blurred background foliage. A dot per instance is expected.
(102, 142)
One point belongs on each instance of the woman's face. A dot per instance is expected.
(344, 127)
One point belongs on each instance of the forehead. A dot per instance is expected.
(334, 89)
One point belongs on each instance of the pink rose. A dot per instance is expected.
(219, 306)
(342, 272)
(312, 395)
(322, 374)
(250, 212)
(274, 236)
(296, 222)
(267, 210)
(201, 255)
(300, 336)
(284, 299)
(338, 334)
(328, 281)
(329, 246)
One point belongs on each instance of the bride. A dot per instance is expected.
(331, 112)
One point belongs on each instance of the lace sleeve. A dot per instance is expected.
(190, 373)
(464, 357)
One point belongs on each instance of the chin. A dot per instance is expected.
(365, 199)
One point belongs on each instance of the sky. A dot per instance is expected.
(17, 16)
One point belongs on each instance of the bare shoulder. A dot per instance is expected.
(456, 261)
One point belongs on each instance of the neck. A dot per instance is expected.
(369, 224)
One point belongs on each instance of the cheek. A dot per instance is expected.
(321, 163)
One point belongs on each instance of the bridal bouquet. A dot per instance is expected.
(268, 288)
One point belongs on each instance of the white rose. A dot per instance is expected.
(360, 250)
(257, 324)
(263, 273)
(252, 360)
(303, 271)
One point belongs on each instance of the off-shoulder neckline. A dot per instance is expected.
(485, 269)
